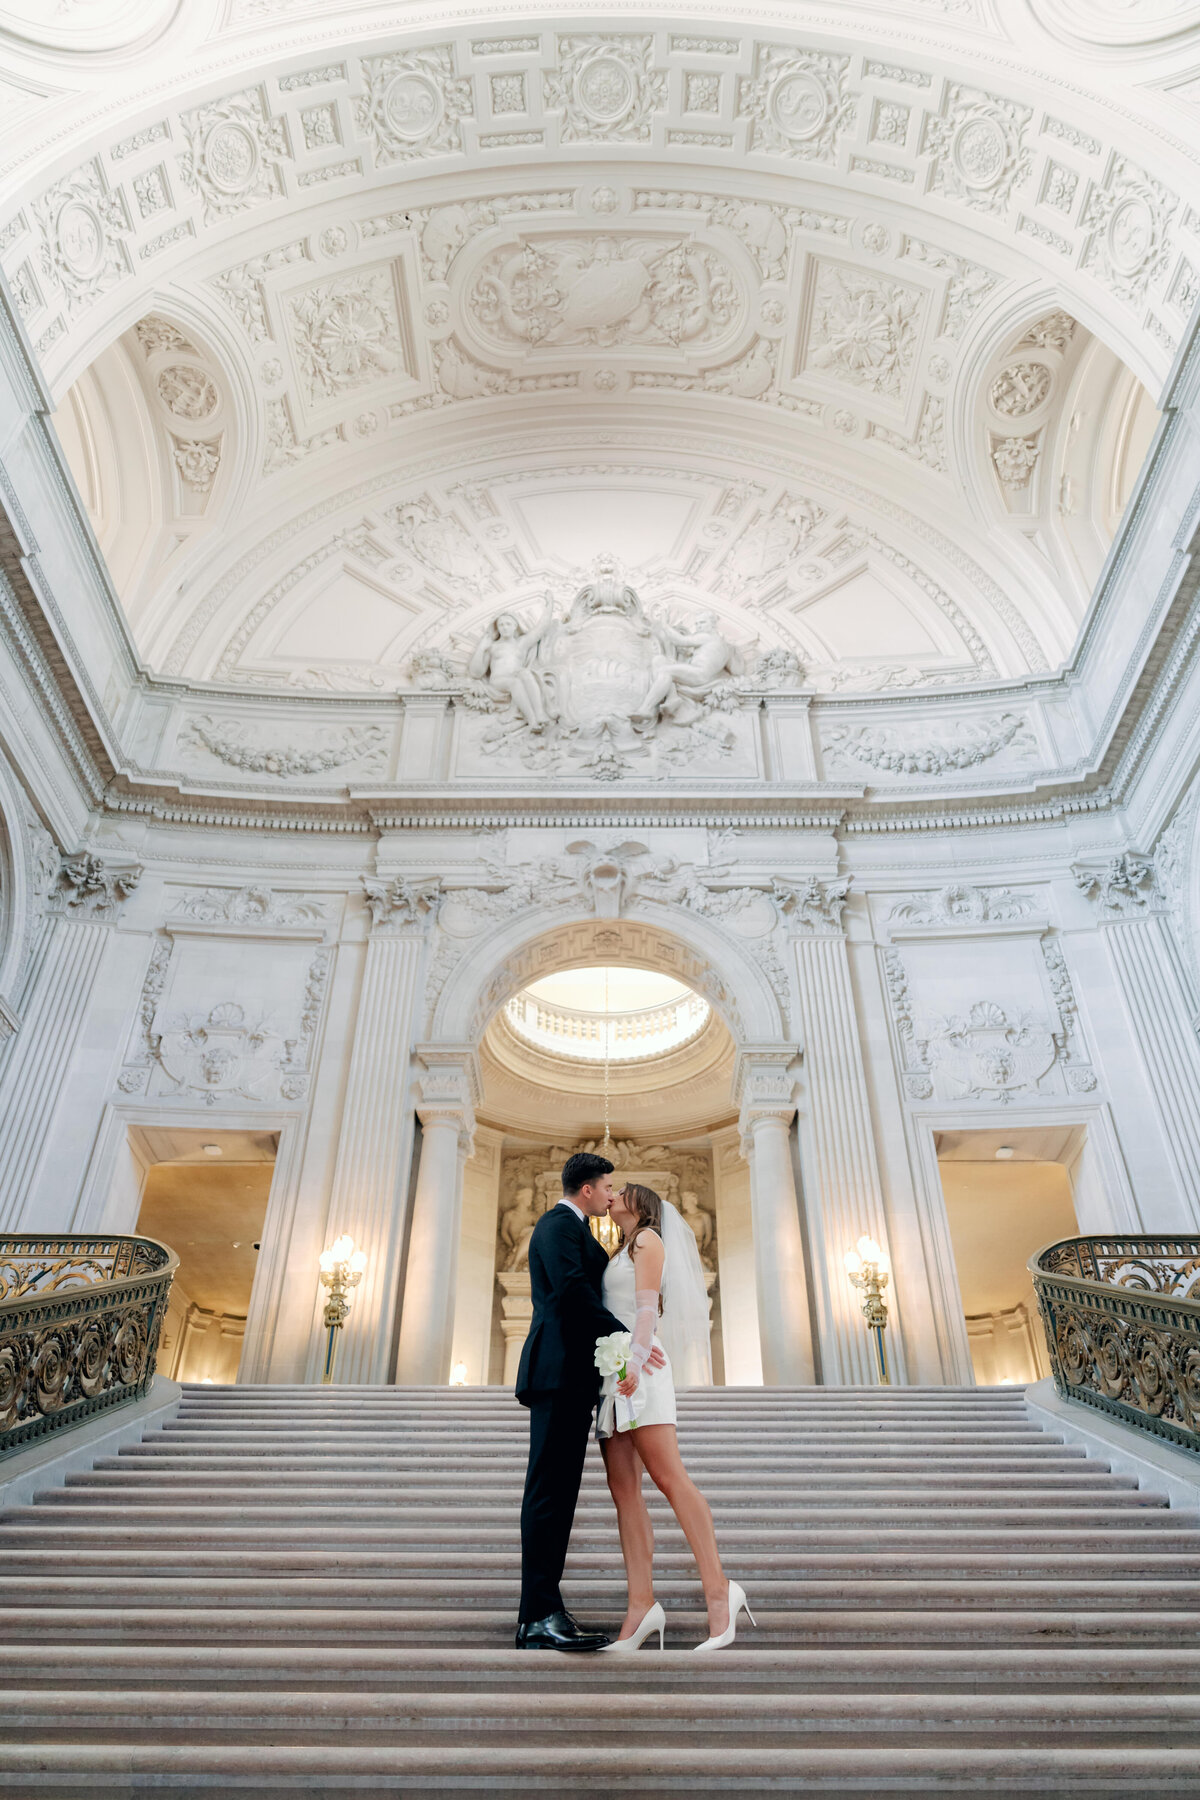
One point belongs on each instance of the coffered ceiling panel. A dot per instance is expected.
(841, 326)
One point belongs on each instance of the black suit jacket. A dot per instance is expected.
(566, 1268)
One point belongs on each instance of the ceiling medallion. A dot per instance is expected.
(799, 106)
(413, 105)
(1020, 389)
(80, 238)
(1130, 235)
(604, 88)
(230, 157)
(980, 152)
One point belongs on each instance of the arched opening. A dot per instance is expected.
(650, 1072)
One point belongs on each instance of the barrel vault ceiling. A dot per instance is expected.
(844, 321)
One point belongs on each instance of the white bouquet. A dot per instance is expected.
(612, 1360)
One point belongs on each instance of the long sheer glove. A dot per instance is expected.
(643, 1327)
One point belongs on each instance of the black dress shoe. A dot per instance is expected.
(558, 1631)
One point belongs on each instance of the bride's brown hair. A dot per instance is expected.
(648, 1206)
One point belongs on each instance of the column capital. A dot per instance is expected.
(93, 887)
(765, 1085)
(1122, 887)
(448, 1088)
(812, 906)
(401, 908)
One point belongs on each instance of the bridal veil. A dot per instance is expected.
(684, 1326)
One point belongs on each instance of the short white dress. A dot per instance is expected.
(657, 1385)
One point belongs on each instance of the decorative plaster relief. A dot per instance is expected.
(236, 742)
(599, 290)
(252, 905)
(961, 904)
(197, 461)
(1015, 459)
(348, 332)
(797, 102)
(413, 103)
(84, 230)
(158, 336)
(1129, 219)
(1020, 389)
(1122, 886)
(863, 329)
(812, 905)
(979, 149)
(235, 147)
(988, 1052)
(92, 887)
(936, 750)
(243, 289)
(233, 1049)
(530, 1183)
(606, 87)
(398, 906)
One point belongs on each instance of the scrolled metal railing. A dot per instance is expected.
(80, 1319)
(1122, 1322)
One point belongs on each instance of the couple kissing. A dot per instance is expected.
(651, 1293)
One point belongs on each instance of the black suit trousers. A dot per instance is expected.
(559, 1424)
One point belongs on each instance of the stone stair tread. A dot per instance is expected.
(307, 1591)
(623, 1768)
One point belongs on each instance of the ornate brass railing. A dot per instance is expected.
(80, 1319)
(1122, 1321)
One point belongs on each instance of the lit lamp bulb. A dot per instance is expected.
(458, 1375)
(866, 1267)
(341, 1267)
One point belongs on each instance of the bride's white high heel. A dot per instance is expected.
(737, 1604)
(654, 1620)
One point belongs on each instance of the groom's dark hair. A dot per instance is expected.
(583, 1167)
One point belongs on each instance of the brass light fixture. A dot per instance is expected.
(867, 1268)
(341, 1271)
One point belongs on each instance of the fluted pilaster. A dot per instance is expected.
(371, 1175)
(843, 1197)
(37, 1068)
(1157, 1008)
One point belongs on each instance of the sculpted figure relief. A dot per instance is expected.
(606, 683)
(502, 660)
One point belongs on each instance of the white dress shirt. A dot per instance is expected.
(577, 1210)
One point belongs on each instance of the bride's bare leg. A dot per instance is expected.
(658, 1448)
(624, 1472)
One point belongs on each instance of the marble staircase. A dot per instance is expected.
(312, 1591)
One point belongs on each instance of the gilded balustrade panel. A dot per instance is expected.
(80, 1320)
(1122, 1323)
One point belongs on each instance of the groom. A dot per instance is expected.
(559, 1382)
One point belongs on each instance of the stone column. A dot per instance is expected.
(843, 1195)
(765, 1090)
(516, 1316)
(374, 1154)
(88, 897)
(1158, 1007)
(447, 1087)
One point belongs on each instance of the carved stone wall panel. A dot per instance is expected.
(227, 1017)
(941, 748)
(259, 750)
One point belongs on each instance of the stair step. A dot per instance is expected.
(512, 1772)
(305, 1591)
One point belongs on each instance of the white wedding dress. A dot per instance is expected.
(654, 1402)
(681, 1333)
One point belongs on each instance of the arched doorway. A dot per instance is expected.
(764, 1308)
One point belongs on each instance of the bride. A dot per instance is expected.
(654, 1284)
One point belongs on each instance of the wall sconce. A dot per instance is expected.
(341, 1271)
(458, 1375)
(867, 1269)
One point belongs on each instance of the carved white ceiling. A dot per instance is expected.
(361, 335)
